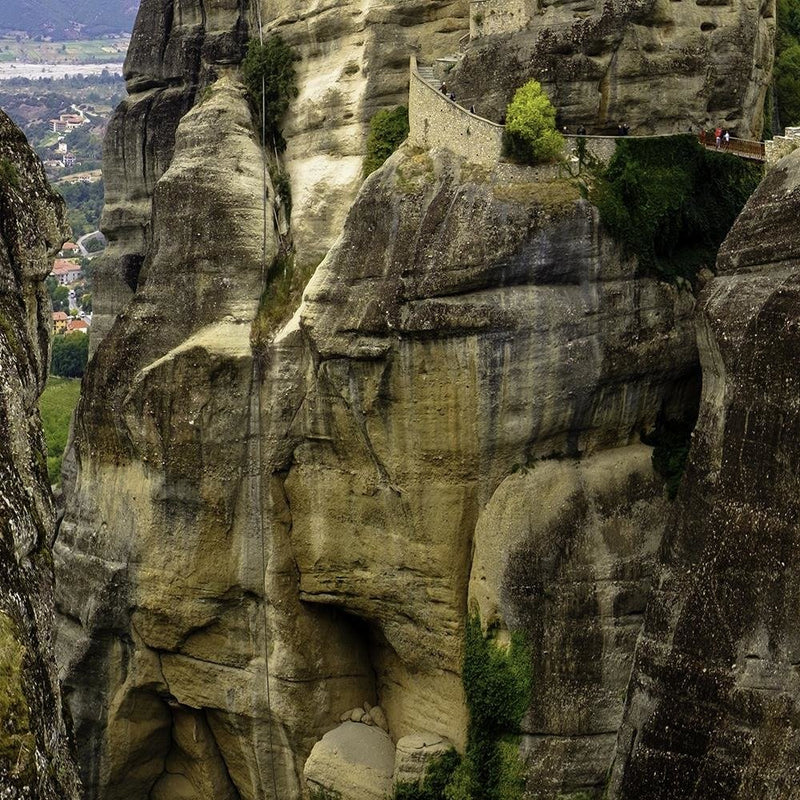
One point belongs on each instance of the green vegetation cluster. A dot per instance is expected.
(498, 684)
(282, 186)
(671, 202)
(530, 135)
(281, 296)
(84, 206)
(786, 75)
(31, 104)
(70, 355)
(56, 405)
(388, 129)
(269, 76)
(9, 176)
(438, 774)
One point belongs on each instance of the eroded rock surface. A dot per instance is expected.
(35, 752)
(354, 61)
(659, 66)
(257, 542)
(468, 322)
(493, 327)
(564, 551)
(713, 698)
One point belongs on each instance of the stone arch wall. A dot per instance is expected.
(436, 121)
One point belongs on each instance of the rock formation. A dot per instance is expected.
(354, 61)
(495, 326)
(35, 753)
(259, 539)
(713, 696)
(659, 66)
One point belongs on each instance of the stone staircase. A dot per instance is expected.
(429, 76)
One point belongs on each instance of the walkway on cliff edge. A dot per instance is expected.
(749, 149)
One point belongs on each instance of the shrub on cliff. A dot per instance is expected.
(269, 75)
(387, 131)
(787, 62)
(671, 202)
(531, 135)
(70, 355)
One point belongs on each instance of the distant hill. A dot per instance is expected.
(67, 19)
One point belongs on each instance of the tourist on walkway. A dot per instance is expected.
(726, 136)
(581, 130)
(718, 135)
(472, 109)
(443, 88)
(453, 96)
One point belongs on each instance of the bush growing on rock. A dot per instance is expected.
(387, 131)
(531, 135)
(269, 75)
(787, 62)
(670, 202)
(70, 355)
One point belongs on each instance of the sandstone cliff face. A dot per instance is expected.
(35, 753)
(659, 66)
(155, 533)
(713, 697)
(354, 61)
(468, 323)
(256, 543)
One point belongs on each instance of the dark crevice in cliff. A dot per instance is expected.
(169, 19)
(674, 426)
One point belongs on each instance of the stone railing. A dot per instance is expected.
(596, 148)
(436, 121)
(781, 146)
(487, 17)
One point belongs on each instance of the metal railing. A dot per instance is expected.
(744, 148)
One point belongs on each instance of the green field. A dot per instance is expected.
(98, 51)
(56, 405)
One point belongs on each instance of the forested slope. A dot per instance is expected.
(61, 19)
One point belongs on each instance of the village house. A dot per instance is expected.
(60, 322)
(69, 250)
(77, 326)
(66, 272)
(67, 122)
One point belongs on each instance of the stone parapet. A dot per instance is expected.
(781, 146)
(436, 121)
(597, 148)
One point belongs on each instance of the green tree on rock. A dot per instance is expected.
(387, 131)
(531, 135)
(70, 355)
(786, 84)
(269, 75)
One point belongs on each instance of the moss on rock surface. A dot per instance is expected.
(35, 755)
(16, 740)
